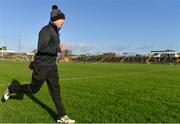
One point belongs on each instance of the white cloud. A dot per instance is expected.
(81, 47)
(121, 48)
(146, 47)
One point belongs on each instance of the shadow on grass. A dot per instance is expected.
(19, 96)
(16, 96)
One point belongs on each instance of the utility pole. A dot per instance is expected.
(19, 47)
(2, 54)
(2, 48)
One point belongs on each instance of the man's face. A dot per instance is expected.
(59, 23)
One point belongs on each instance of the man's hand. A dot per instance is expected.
(62, 47)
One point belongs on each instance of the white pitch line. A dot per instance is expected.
(110, 75)
(102, 76)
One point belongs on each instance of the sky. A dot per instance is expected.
(94, 26)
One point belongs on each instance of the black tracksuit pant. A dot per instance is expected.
(39, 76)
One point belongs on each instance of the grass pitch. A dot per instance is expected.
(96, 93)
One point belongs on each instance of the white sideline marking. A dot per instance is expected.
(102, 76)
(110, 75)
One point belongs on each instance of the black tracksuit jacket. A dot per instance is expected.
(48, 46)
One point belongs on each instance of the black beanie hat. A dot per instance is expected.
(56, 13)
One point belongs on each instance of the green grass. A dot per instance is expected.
(98, 93)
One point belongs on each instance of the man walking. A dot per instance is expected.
(44, 66)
